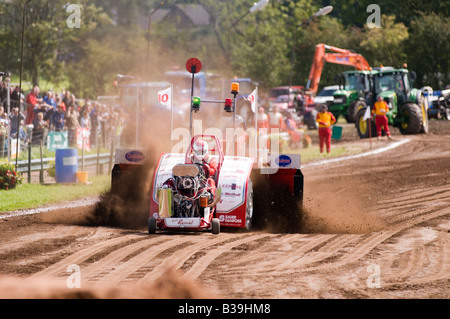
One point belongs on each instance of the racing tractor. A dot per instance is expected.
(408, 107)
(205, 188)
(438, 103)
(184, 194)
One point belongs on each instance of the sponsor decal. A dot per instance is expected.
(135, 156)
(182, 222)
(232, 219)
(232, 194)
(283, 160)
(232, 186)
(342, 59)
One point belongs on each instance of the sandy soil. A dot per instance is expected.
(371, 227)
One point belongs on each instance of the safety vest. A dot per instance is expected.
(380, 108)
(325, 119)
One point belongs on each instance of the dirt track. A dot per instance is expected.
(373, 227)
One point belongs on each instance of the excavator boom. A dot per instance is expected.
(341, 56)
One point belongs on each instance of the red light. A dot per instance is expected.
(228, 105)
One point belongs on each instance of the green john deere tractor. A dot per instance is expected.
(351, 96)
(408, 107)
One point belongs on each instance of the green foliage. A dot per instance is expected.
(430, 42)
(385, 45)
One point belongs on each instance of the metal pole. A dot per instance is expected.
(192, 95)
(171, 115)
(20, 81)
(97, 170)
(148, 32)
(137, 113)
(29, 162)
(41, 172)
(292, 60)
(82, 153)
(8, 108)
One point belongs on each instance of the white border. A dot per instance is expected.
(376, 151)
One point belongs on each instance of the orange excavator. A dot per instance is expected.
(341, 56)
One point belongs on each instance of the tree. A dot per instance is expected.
(385, 45)
(47, 33)
(429, 50)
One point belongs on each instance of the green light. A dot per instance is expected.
(196, 103)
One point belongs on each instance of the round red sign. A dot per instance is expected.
(193, 65)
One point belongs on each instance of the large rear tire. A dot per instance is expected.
(423, 105)
(249, 208)
(413, 119)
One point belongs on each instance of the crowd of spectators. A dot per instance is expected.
(39, 114)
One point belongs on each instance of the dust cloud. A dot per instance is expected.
(171, 285)
(338, 205)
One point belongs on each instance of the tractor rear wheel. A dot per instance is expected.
(423, 105)
(249, 208)
(413, 119)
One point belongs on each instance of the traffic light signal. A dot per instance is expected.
(196, 103)
(228, 105)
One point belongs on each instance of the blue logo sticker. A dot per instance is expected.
(135, 156)
(283, 160)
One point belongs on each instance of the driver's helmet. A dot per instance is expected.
(200, 150)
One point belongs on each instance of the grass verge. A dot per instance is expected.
(27, 196)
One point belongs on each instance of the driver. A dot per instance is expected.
(200, 156)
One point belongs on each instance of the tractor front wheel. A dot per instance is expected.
(365, 128)
(215, 226)
(413, 119)
(353, 110)
(151, 225)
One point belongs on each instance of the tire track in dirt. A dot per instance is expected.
(205, 261)
(150, 267)
(59, 269)
(271, 265)
(96, 271)
(364, 247)
(421, 265)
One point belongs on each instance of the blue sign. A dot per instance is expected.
(135, 156)
(283, 160)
